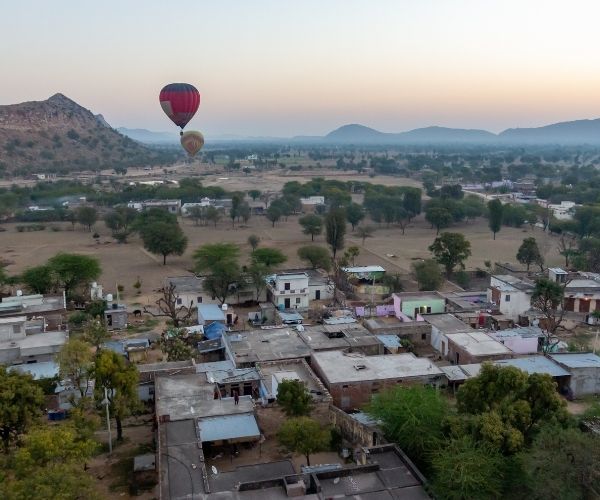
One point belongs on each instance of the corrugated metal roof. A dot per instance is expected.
(390, 340)
(38, 371)
(363, 269)
(228, 427)
(535, 364)
(342, 320)
(210, 312)
(577, 360)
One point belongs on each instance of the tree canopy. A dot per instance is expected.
(293, 397)
(270, 257)
(304, 435)
(451, 250)
(315, 256)
(529, 253)
(312, 225)
(495, 214)
(428, 274)
(335, 229)
(164, 239)
(73, 270)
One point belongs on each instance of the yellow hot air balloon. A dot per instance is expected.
(192, 142)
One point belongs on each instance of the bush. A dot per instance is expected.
(31, 227)
(77, 319)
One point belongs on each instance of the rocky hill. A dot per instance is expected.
(58, 135)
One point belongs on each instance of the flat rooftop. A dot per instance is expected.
(342, 336)
(520, 331)
(339, 367)
(186, 284)
(511, 283)
(577, 360)
(223, 427)
(266, 345)
(298, 366)
(210, 312)
(447, 323)
(416, 296)
(478, 343)
(165, 366)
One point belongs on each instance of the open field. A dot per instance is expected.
(124, 263)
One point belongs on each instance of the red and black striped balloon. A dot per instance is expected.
(180, 102)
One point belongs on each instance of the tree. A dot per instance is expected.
(257, 272)
(244, 212)
(95, 333)
(438, 217)
(567, 248)
(39, 279)
(508, 406)
(529, 253)
(428, 274)
(73, 270)
(351, 253)
(317, 257)
(303, 435)
(473, 207)
(393, 282)
(164, 239)
(495, 214)
(411, 202)
(269, 256)
(273, 214)
(402, 218)
(466, 469)
(253, 241)
(254, 194)
(221, 281)
(335, 229)
(174, 343)
(167, 306)
(451, 250)
(197, 213)
(21, 402)
(87, 216)
(76, 362)
(211, 254)
(365, 232)
(312, 225)
(548, 297)
(293, 397)
(119, 221)
(563, 463)
(354, 214)
(212, 215)
(413, 417)
(120, 380)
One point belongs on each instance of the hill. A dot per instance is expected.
(574, 132)
(58, 135)
(148, 136)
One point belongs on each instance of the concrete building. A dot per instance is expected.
(352, 379)
(442, 325)
(582, 294)
(417, 332)
(190, 292)
(288, 290)
(520, 340)
(351, 337)
(211, 313)
(365, 281)
(171, 206)
(311, 204)
(585, 372)
(52, 308)
(149, 372)
(253, 346)
(510, 295)
(115, 317)
(563, 210)
(474, 347)
(411, 305)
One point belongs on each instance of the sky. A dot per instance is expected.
(304, 67)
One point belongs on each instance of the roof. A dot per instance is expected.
(389, 341)
(228, 427)
(342, 320)
(214, 330)
(512, 283)
(557, 270)
(232, 376)
(416, 296)
(215, 365)
(210, 312)
(291, 276)
(363, 269)
(39, 341)
(290, 316)
(521, 331)
(478, 343)
(454, 373)
(47, 369)
(144, 462)
(266, 345)
(535, 364)
(447, 323)
(338, 367)
(186, 284)
(165, 366)
(577, 360)
(363, 418)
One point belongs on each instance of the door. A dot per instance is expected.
(318, 295)
(287, 303)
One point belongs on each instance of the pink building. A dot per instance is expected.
(520, 340)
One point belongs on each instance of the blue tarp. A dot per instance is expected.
(214, 330)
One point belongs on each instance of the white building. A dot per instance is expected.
(289, 290)
(171, 206)
(564, 210)
(511, 295)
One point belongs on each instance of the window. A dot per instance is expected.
(16, 328)
(345, 386)
(178, 301)
(428, 309)
(507, 298)
(423, 336)
(298, 300)
(199, 299)
(286, 286)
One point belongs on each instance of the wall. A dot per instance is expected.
(357, 433)
(584, 381)
(279, 301)
(466, 358)
(326, 291)
(519, 345)
(14, 330)
(518, 304)
(437, 306)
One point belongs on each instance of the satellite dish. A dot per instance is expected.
(214, 470)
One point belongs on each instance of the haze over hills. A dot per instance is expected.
(59, 135)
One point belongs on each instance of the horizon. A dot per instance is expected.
(306, 69)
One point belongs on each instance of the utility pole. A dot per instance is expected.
(105, 402)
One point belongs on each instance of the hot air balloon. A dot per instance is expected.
(180, 102)
(192, 142)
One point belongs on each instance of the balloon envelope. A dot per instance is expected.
(180, 102)
(192, 142)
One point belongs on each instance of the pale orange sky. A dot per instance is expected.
(292, 67)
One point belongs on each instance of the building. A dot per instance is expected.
(312, 204)
(472, 301)
(288, 290)
(171, 206)
(189, 292)
(115, 317)
(520, 340)
(510, 295)
(350, 337)
(582, 293)
(473, 347)
(212, 313)
(442, 325)
(274, 344)
(149, 372)
(564, 210)
(362, 280)
(52, 308)
(410, 305)
(584, 369)
(353, 378)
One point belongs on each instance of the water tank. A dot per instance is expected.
(19, 293)
(109, 297)
(94, 284)
(224, 307)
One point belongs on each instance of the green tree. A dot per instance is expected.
(73, 270)
(254, 194)
(351, 253)
(451, 250)
(173, 343)
(548, 297)
(303, 435)
(317, 257)
(413, 417)
(354, 214)
(428, 274)
(119, 221)
(212, 215)
(21, 402)
(495, 214)
(364, 232)
(197, 213)
(270, 257)
(312, 225)
(222, 280)
(563, 463)
(509, 406)
(273, 214)
(293, 397)
(211, 254)
(473, 207)
(258, 272)
(244, 212)
(335, 229)
(438, 217)
(465, 469)
(120, 379)
(411, 202)
(529, 253)
(253, 241)
(39, 279)
(87, 216)
(164, 239)
(76, 362)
